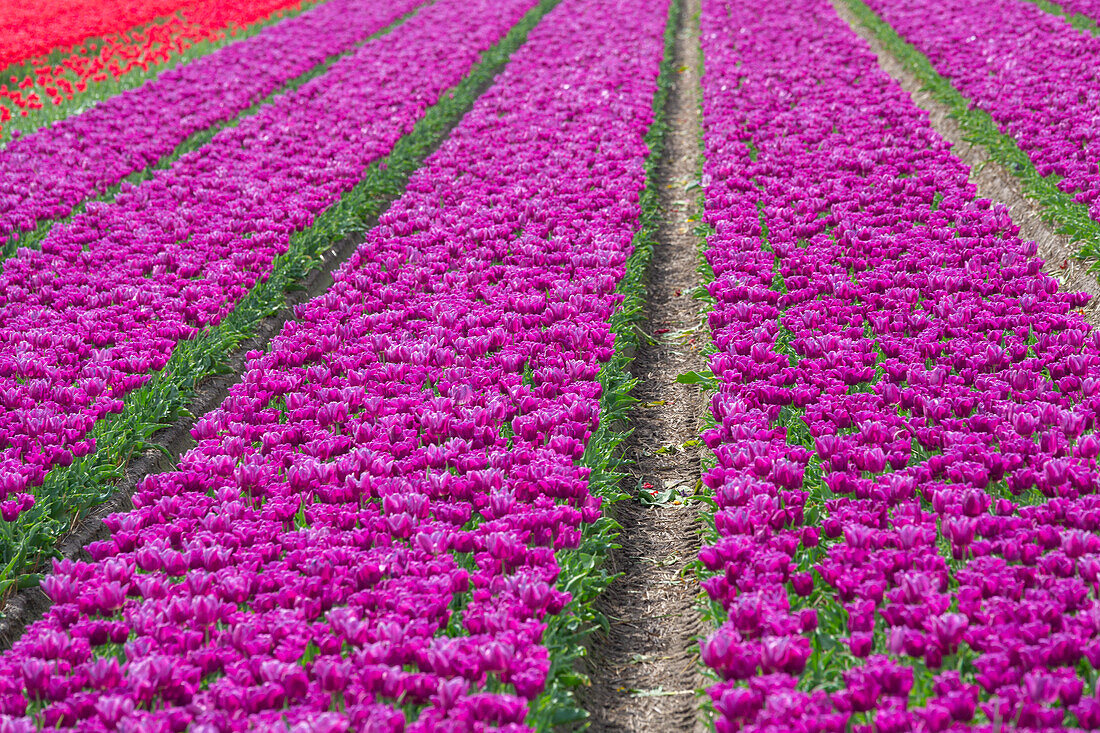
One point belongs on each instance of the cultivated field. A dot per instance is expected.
(512, 365)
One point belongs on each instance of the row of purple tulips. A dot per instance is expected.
(366, 535)
(906, 456)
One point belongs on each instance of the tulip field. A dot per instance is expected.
(415, 244)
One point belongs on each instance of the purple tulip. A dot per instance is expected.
(1012, 60)
(940, 371)
(300, 568)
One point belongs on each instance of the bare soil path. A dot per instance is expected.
(645, 671)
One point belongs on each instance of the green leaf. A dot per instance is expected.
(566, 715)
(708, 500)
(705, 378)
(30, 580)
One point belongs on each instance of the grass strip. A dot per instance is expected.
(98, 91)
(583, 572)
(67, 493)
(33, 239)
(1058, 209)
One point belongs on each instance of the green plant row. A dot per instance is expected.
(1077, 20)
(583, 571)
(33, 239)
(98, 91)
(1058, 209)
(68, 493)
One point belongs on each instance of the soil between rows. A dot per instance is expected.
(645, 673)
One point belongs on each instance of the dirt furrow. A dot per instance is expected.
(645, 671)
(992, 180)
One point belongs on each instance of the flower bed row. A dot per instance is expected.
(68, 492)
(1038, 78)
(84, 155)
(119, 45)
(1084, 14)
(906, 456)
(1071, 218)
(365, 536)
(86, 319)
